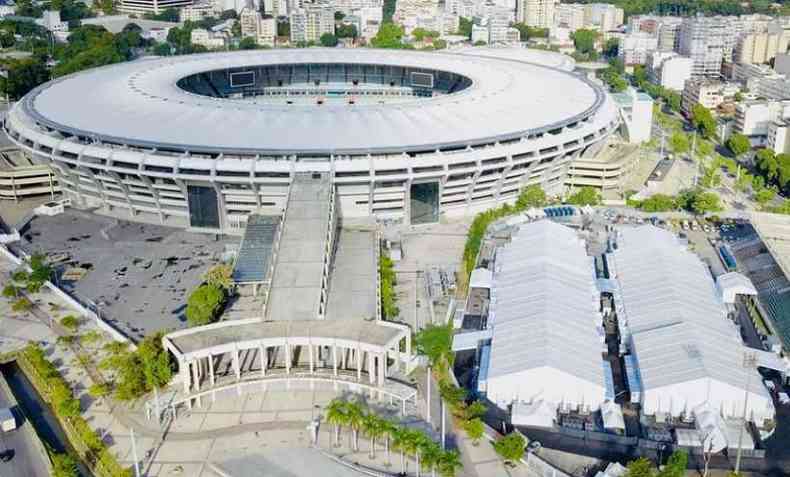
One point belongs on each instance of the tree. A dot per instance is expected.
(248, 43)
(585, 196)
(64, 402)
(373, 427)
(465, 27)
(204, 304)
(584, 40)
(336, 415)
(22, 76)
(449, 463)
(346, 31)
(70, 322)
(64, 465)
(658, 203)
(676, 465)
(703, 120)
(166, 15)
(475, 409)
(531, 196)
(510, 447)
(157, 364)
(220, 275)
(641, 467)
(355, 417)
(389, 307)
(339, 16)
(738, 144)
(474, 429)
(328, 40)
(679, 143)
(435, 342)
(706, 202)
(400, 439)
(420, 34)
(611, 47)
(764, 196)
(389, 35)
(99, 390)
(704, 149)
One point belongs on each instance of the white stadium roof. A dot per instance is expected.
(687, 351)
(139, 103)
(544, 313)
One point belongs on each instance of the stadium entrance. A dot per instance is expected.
(424, 203)
(203, 207)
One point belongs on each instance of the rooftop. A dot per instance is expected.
(510, 96)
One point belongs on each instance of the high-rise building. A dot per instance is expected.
(668, 69)
(707, 41)
(668, 33)
(198, 11)
(150, 6)
(535, 13)
(312, 21)
(603, 16)
(709, 93)
(761, 47)
(635, 47)
(570, 15)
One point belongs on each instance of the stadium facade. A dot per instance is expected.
(202, 141)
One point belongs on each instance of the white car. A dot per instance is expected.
(784, 398)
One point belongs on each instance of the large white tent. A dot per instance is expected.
(688, 353)
(546, 342)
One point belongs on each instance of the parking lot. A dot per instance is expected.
(138, 276)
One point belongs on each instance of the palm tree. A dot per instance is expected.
(388, 428)
(449, 463)
(355, 417)
(400, 440)
(336, 415)
(431, 456)
(421, 442)
(373, 426)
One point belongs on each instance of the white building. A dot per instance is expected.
(253, 25)
(669, 69)
(198, 11)
(309, 23)
(782, 63)
(535, 13)
(603, 16)
(636, 111)
(687, 351)
(709, 93)
(543, 274)
(205, 38)
(752, 118)
(635, 47)
(569, 15)
(50, 20)
(778, 137)
(708, 41)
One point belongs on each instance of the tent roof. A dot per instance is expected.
(732, 284)
(544, 305)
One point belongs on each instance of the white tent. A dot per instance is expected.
(733, 284)
(686, 350)
(538, 413)
(543, 314)
(612, 415)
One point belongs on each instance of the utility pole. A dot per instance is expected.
(134, 454)
(750, 364)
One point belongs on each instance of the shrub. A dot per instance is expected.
(64, 465)
(510, 447)
(21, 305)
(204, 304)
(70, 322)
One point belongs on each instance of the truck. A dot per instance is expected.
(7, 420)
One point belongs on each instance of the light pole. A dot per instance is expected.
(750, 364)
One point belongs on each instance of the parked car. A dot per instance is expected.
(7, 420)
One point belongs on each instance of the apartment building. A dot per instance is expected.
(198, 11)
(635, 47)
(761, 47)
(603, 16)
(254, 25)
(707, 92)
(669, 69)
(535, 13)
(207, 39)
(707, 41)
(570, 16)
(312, 21)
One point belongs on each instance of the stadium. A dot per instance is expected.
(203, 141)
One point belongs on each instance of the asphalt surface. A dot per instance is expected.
(28, 459)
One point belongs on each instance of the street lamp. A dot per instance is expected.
(750, 364)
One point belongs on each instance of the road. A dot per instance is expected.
(29, 459)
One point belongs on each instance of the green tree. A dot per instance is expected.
(389, 35)
(659, 203)
(738, 144)
(641, 467)
(531, 196)
(70, 322)
(475, 409)
(676, 465)
(679, 143)
(64, 465)
(584, 40)
(204, 305)
(706, 202)
(248, 43)
(764, 196)
(420, 34)
(435, 343)
(166, 15)
(465, 27)
(157, 364)
(611, 47)
(328, 40)
(387, 278)
(585, 196)
(373, 426)
(450, 463)
(510, 447)
(346, 31)
(336, 415)
(474, 429)
(220, 275)
(22, 76)
(703, 121)
(64, 402)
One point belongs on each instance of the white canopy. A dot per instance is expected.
(612, 415)
(481, 278)
(538, 413)
(733, 284)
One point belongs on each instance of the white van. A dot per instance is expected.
(7, 420)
